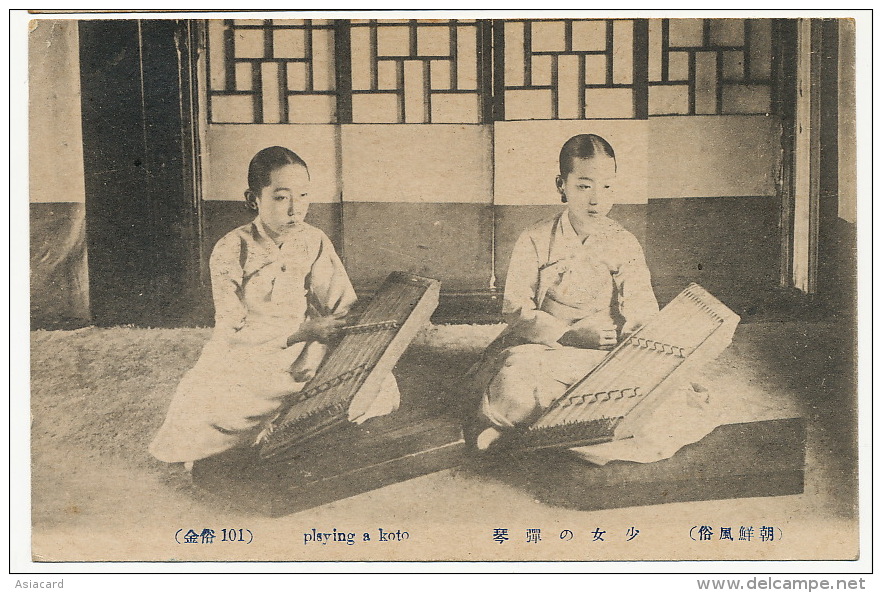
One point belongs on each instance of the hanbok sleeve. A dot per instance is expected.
(637, 302)
(226, 286)
(522, 299)
(330, 291)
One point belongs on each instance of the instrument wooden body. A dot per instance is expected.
(609, 402)
(359, 363)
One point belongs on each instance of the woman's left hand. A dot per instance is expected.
(588, 334)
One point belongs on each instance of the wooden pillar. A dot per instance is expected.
(806, 154)
(815, 157)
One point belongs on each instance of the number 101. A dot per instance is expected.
(232, 535)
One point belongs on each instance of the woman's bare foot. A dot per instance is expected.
(486, 438)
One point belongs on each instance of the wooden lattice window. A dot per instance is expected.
(442, 71)
(419, 71)
(710, 66)
(272, 71)
(570, 69)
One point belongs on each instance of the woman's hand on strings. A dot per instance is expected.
(589, 334)
(317, 329)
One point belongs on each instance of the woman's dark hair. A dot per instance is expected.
(268, 160)
(583, 146)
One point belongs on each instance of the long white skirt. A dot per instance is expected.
(232, 394)
(522, 381)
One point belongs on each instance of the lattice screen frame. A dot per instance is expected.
(261, 73)
(576, 46)
(722, 59)
(263, 69)
(402, 52)
(232, 80)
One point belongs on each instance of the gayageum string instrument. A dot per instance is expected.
(609, 402)
(363, 358)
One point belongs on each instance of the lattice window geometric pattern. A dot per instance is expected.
(442, 71)
(271, 71)
(416, 71)
(569, 69)
(710, 66)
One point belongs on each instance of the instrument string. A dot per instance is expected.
(629, 363)
(363, 350)
(689, 323)
(657, 363)
(635, 364)
(373, 345)
(594, 391)
(332, 367)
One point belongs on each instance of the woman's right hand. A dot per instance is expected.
(317, 329)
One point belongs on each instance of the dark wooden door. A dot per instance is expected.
(141, 175)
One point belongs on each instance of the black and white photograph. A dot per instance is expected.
(443, 286)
